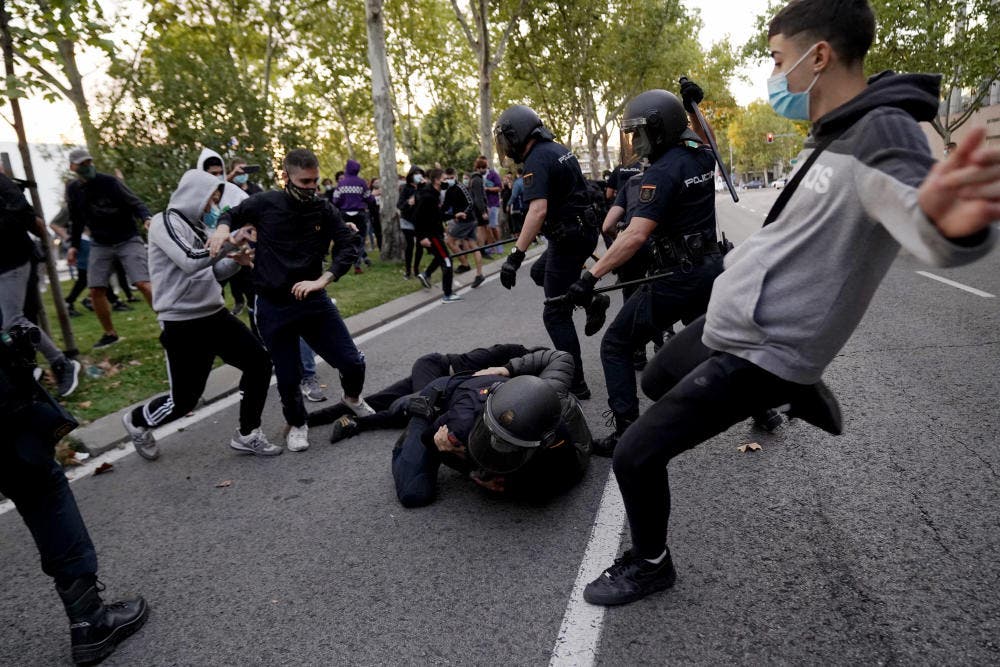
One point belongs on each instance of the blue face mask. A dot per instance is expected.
(241, 179)
(794, 106)
(211, 217)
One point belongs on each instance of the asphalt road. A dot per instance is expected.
(880, 546)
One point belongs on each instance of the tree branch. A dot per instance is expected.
(502, 46)
(465, 25)
(47, 76)
(976, 103)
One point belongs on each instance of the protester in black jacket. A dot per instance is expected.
(428, 222)
(413, 253)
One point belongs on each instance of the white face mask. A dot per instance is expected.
(449, 182)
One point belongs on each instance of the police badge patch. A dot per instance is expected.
(646, 193)
(529, 179)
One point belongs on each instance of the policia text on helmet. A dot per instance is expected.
(653, 122)
(515, 128)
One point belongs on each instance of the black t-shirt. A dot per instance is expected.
(553, 173)
(678, 192)
(621, 174)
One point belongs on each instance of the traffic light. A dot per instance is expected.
(770, 138)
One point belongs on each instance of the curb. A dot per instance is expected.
(107, 432)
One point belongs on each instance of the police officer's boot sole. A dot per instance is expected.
(816, 405)
(94, 652)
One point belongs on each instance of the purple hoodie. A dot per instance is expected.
(352, 193)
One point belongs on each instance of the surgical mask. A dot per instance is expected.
(328, 187)
(86, 172)
(211, 217)
(418, 179)
(304, 195)
(449, 182)
(241, 179)
(794, 106)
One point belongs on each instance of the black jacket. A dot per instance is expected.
(458, 199)
(106, 207)
(427, 215)
(292, 239)
(16, 219)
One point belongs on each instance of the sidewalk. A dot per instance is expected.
(107, 432)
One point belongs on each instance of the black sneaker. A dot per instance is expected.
(72, 311)
(463, 268)
(606, 446)
(479, 280)
(87, 303)
(67, 374)
(424, 280)
(581, 391)
(768, 421)
(121, 307)
(631, 578)
(106, 340)
(343, 428)
(597, 312)
(817, 405)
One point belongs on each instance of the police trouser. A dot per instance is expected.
(31, 478)
(653, 308)
(699, 393)
(317, 321)
(563, 262)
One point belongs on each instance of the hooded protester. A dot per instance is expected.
(196, 325)
(352, 198)
(414, 253)
(232, 194)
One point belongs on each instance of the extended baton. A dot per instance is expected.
(556, 300)
(711, 142)
(484, 247)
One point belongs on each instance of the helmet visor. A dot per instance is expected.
(633, 140)
(505, 150)
(493, 454)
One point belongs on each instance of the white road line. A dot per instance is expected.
(576, 645)
(971, 290)
(110, 456)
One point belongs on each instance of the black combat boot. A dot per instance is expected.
(597, 313)
(96, 628)
(606, 446)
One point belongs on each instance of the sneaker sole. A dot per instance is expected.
(425, 282)
(295, 449)
(115, 342)
(76, 379)
(93, 653)
(240, 448)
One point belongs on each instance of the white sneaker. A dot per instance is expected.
(298, 438)
(360, 408)
(254, 442)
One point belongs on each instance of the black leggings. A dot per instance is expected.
(699, 393)
(414, 252)
(190, 348)
(440, 257)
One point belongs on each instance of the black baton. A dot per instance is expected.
(556, 300)
(484, 247)
(711, 142)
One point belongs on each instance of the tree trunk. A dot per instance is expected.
(392, 248)
(69, 341)
(485, 88)
(339, 110)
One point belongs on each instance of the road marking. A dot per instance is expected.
(971, 290)
(112, 455)
(580, 633)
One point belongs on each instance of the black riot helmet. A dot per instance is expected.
(653, 122)
(520, 415)
(514, 128)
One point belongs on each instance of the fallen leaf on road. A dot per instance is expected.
(223, 484)
(103, 468)
(753, 447)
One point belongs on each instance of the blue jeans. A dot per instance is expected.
(562, 263)
(316, 321)
(308, 359)
(31, 478)
(650, 310)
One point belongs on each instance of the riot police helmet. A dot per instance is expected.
(653, 122)
(515, 127)
(520, 416)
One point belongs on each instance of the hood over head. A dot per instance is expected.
(207, 153)
(193, 192)
(353, 168)
(917, 94)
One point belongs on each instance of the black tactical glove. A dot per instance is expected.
(692, 94)
(581, 293)
(508, 272)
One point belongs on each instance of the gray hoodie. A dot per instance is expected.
(185, 278)
(793, 293)
(232, 194)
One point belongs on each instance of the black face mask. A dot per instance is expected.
(304, 195)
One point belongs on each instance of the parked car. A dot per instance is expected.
(754, 185)
(779, 183)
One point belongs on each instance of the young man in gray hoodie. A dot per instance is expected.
(197, 326)
(793, 293)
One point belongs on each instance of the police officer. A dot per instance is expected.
(558, 207)
(31, 478)
(514, 429)
(676, 212)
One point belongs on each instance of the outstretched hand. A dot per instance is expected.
(961, 194)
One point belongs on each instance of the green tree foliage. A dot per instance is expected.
(447, 136)
(748, 135)
(955, 38)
